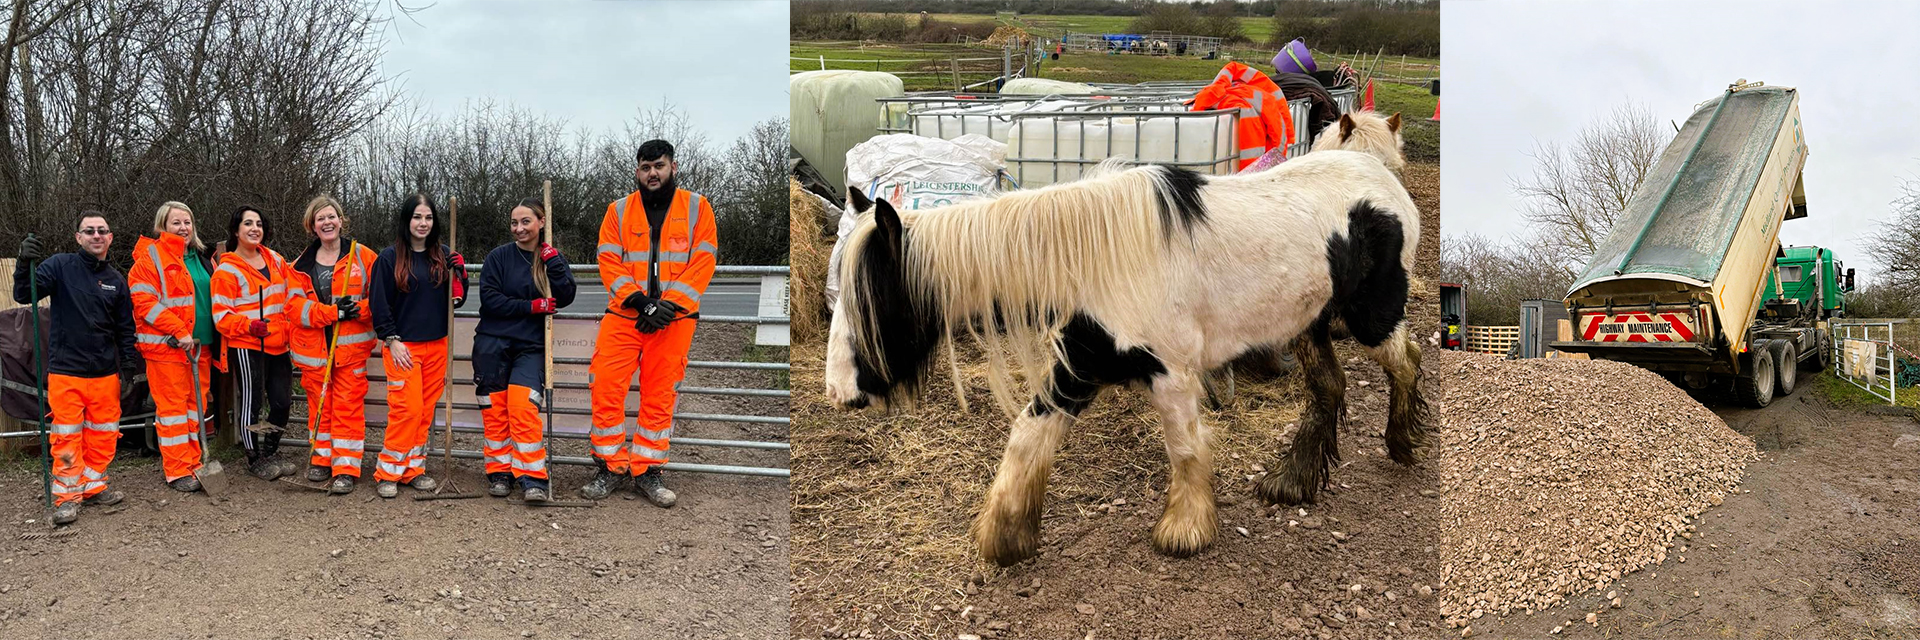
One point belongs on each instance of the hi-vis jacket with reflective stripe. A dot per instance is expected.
(687, 255)
(1265, 121)
(241, 295)
(310, 318)
(163, 293)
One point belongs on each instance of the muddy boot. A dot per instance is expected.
(104, 498)
(185, 484)
(342, 485)
(317, 473)
(604, 483)
(264, 468)
(650, 486)
(66, 512)
(387, 489)
(533, 490)
(499, 484)
(423, 482)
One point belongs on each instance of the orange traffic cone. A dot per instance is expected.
(1436, 110)
(1366, 103)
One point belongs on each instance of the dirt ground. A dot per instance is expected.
(1821, 543)
(277, 561)
(882, 505)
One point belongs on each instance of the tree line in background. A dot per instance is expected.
(1398, 28)
(218, 103)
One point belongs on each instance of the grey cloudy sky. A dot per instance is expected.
(1521, 72)
(597, 63)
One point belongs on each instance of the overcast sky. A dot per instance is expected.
(596, 63)
(1521, 72)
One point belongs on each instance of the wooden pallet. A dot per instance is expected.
(1495, 340)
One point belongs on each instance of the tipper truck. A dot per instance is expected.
(1684, 282)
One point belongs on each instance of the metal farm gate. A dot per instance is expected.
(1863, 354)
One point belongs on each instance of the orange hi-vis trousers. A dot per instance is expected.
(411, 397)
(339, 428)
(176, 413)
(661, 359)
(513, 433)
(82, 433)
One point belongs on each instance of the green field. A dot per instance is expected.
(926, 67)
(1259, 30)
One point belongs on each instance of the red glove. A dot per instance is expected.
(457, 270)
(459, 289)
(258, 329)
(548, 253)
(456, 263)
(543, 305)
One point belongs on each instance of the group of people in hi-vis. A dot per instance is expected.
(181, 312)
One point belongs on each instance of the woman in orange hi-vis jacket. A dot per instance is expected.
(332, 339)
(249, 309)
(171, 284)
(407, 296)
(657, 252)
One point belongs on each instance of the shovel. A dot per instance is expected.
(211, 479)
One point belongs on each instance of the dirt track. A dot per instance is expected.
(281, 562)
(1822, 543)
(882, 505)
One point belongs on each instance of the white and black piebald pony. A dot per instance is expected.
(1147, 276)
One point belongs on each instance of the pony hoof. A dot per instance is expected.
(1284, 488)
(1183, 537)
(1406, 455)
(1006, 544)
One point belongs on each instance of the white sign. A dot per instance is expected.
(775, 302)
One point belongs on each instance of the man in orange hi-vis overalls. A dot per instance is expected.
(658, 248)
(92, 346)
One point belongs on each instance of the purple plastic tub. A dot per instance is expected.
(1294, 58)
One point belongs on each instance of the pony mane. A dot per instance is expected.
(1013, 269)
(1371, 133)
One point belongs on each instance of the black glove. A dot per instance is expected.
(673, 308)
(651, 319)
(30, 249)
(638, 301)
(349, 310)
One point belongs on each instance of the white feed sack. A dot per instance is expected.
(914, 172)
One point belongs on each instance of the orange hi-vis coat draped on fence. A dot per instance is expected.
(339, 428)
(681, 270)
(687, 256)
(242, 295)
(1265, 121)
(163, 307)
(82, 433)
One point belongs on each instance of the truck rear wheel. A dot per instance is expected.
(1818, 362)
(1754, 385)
(1786, 364)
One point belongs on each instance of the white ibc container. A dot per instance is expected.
(1043, 150)
(833, 110)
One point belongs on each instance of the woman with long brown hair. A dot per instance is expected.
(411, 283)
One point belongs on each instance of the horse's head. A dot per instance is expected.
(1367, 132)
(886, 323)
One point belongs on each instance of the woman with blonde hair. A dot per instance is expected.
(332, 339)
(174, 329)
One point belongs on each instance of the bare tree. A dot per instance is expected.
(1577, 191)
(1499, 275)
(1896, 244)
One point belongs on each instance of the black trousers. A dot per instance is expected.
(260, 379)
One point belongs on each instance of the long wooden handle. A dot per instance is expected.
(446, 392)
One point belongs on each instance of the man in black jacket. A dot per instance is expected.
(91, 346)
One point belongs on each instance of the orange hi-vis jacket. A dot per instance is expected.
(241, 295)
(162, 291)
(1265, 120)
(310, 319)
(687, 254)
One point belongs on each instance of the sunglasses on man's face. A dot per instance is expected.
(95, 231)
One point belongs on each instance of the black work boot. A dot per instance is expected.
(499, 484)
(604, 483)
(650, 486)
(533, 490)
(264, 468)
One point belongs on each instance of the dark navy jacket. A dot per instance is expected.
(92, 315)
(507, 293)
(420, 314)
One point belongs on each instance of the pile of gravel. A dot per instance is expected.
(1560, 476)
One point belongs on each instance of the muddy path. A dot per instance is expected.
(1821, 542)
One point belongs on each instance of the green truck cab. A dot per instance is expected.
(1812, 278)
